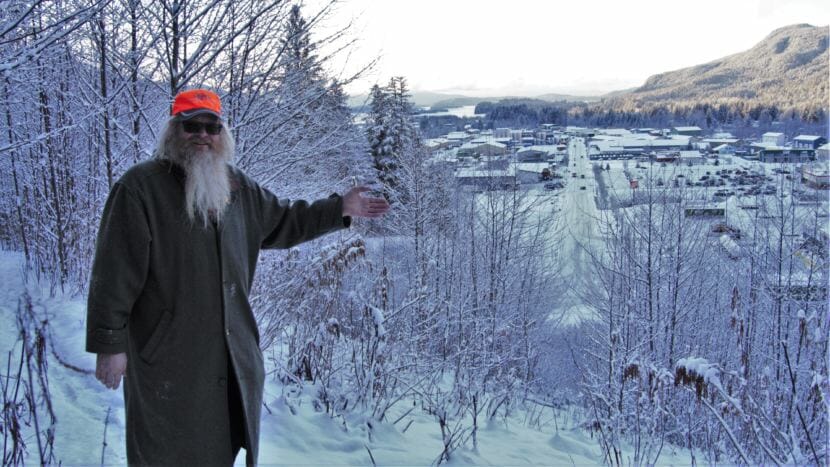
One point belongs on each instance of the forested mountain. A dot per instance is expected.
(787, 70)
(783, 79)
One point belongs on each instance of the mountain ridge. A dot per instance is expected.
(788, 69)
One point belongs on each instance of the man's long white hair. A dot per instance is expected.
(207, 185)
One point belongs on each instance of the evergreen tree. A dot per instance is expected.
(377, 132)
(391, 133)
(319, 143)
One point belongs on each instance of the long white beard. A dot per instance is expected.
(207, 186)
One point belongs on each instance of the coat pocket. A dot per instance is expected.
(150, 349)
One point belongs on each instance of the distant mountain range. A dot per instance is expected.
(788, 69)
(440, 101)
(421, 99)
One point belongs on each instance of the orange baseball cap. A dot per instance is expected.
(189, 104)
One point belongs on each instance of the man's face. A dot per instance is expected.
(201, 133)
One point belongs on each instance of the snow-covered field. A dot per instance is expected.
(293, 431)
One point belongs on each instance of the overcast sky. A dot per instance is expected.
(529, 47)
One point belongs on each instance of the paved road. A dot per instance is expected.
(579, 218)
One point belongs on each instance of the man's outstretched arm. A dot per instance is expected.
(355, 205)
(285, 224)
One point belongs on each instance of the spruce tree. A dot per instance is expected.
(318, 137)
(392, 135)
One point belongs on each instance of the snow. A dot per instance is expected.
(378, 319)
(80, 401)
(700, 366)
(293, 431)
(730, 246)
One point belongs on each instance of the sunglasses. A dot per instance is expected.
(196, 127)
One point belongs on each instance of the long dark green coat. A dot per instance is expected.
(173, 295)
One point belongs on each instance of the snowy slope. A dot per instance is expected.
(293, 432)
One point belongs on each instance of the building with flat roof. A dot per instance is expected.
(772, 138)
(690, 158)
(482, 148)
(782, 154)
(687, 130)
(808, 142)
(816, 175)
(538, 153)
(487, 179)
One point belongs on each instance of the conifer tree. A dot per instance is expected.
(318, 143)
(392, 135)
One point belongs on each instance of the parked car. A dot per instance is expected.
(721, 228)
(582, 187)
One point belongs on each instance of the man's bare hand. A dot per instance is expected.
(355, 205)
(110, 368)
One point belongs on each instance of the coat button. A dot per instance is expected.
(227, 332)
(221, 382)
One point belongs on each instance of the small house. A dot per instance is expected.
(808, 142)
(772, 138)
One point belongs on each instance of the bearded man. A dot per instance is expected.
(168, 298)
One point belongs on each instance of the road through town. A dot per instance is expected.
(579, 227)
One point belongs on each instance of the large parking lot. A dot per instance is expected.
(709, 182)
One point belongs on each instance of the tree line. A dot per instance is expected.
(742, 118)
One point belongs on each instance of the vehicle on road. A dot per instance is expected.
(723, 228)
(582, 187)
(582, 176)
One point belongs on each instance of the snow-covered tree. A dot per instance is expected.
(392, 135)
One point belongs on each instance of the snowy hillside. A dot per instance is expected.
(89, 419)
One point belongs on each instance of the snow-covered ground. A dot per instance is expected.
(293, 432)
